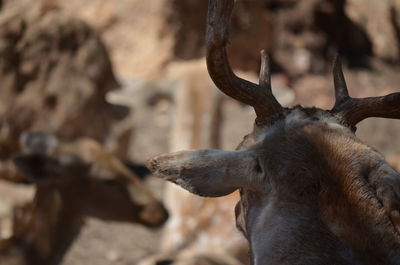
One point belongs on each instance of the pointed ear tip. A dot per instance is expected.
(152, 164)
(155, 163)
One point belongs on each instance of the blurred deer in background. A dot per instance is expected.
(310, 191)
(73, 181)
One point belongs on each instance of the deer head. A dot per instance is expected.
(73, 180)
(311, 192)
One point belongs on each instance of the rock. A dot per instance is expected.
(382, 27)
(136, 32)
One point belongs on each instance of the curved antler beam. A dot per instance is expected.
(355, 110)
(264, 103)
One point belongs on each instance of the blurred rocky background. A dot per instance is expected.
(108, 70)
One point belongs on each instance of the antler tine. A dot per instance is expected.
(265, 72)
(341, 92)
(264, 103)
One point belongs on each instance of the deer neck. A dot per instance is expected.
(285, 232)
(353, 214)
(348, 205)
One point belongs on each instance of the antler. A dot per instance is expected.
(258, 96)
(353, 110)
(341, 92)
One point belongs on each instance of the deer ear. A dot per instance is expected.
(38, 168)
(208, 173)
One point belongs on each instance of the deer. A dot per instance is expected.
(310, 191)
(74, 180)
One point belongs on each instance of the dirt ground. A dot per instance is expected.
(103, 243)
